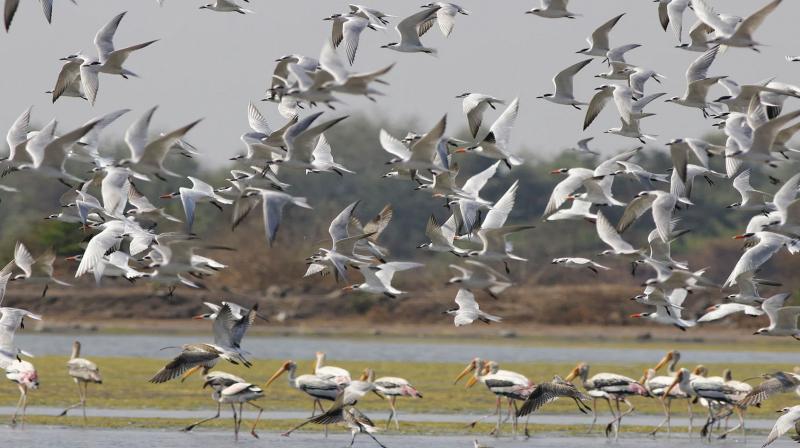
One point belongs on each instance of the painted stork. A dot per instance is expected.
(657, 387)
(343, 410)
(314, 386)
(336, 374)
(217, 380)
(716, 393)
(502, 383)
(24, 375)
(82, 372)
(393, 387)
(609, 387)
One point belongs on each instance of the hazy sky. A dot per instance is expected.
(211, 64)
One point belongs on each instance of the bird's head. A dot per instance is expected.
(546, 95)
(672, 99)
(471, 366)
(744, 236)
(464, 95)
(72, 57)
(712, 308)
(640, 315)
(533, 11)
(423, 245)
(285, 367)
(455, 280)
(761, 331)
(170, 195)
(333, 16)
(390, 45)
(559, 171)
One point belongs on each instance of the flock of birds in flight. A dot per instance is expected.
(127, 245)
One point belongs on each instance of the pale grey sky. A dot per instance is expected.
(211, 64)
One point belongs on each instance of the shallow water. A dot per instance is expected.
(542, 419)
(50, 436)
(377, 350)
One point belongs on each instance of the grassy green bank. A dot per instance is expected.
(125, 386)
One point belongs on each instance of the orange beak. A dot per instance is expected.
(166, 196)
(740, 237)
(72, 258)
(198, 317)
(644, 377)
(471, 382)
(637, 315)
(667, 358)
(347, 288)
(555, 171)
(572, 374)
(275, 375)
(465, 372)
(460, 150)
(672, 386)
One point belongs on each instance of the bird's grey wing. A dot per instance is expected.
(9, 11)
(699, 68)
(393, 146)
(351, 32)
(66, 76)
(338, 228)
(635, 209)
(256, 120)
(90, 82)
(475, 184)
(118, 57)
(223, 327)
(600, 35)
(104, 39)
(474, 106)
(596, 105)
(272, 210)
(499, 212)
(181, 363)
(242, 207)
(761, 392)
(609, 235)
(753, 21)
(377, 225)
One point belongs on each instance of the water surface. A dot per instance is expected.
(299, 348)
